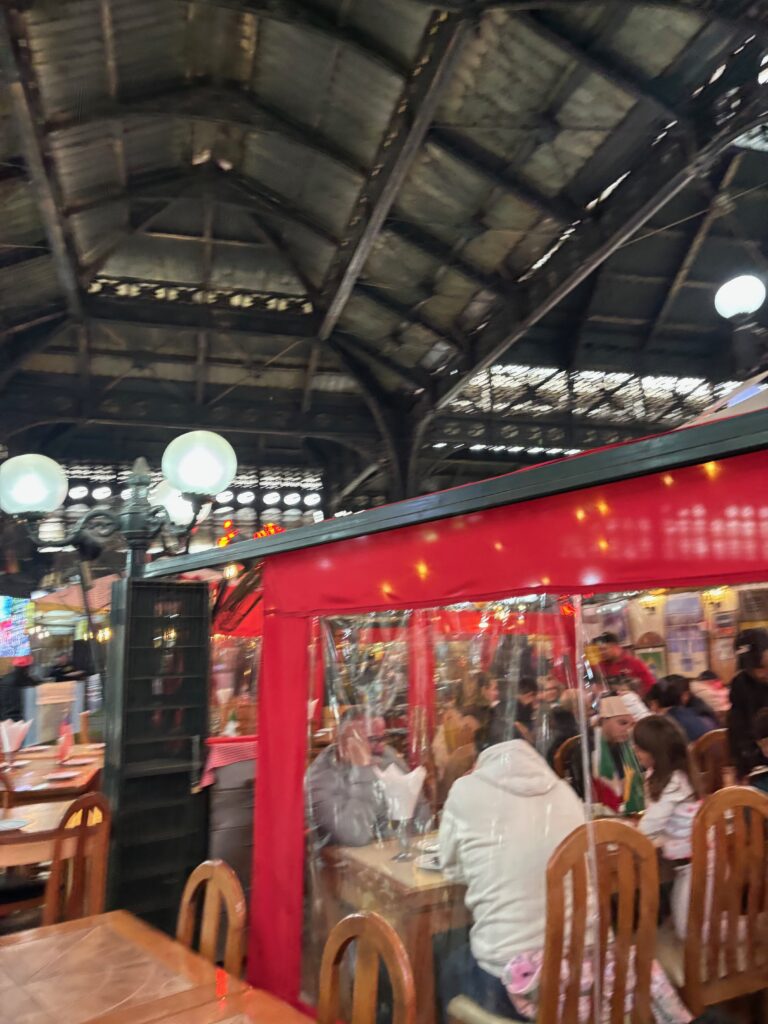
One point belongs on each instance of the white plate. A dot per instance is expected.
(12, 824)
(75, 762)
(16, 764)
(428, 862)
(61, 776)
(39, 750)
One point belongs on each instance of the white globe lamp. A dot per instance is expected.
(180, 510)
(32, 485)
(740, 297)
(200, 462)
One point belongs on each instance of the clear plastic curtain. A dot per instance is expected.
(431, 791)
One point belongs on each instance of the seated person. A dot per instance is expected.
(346, 801)
(712, 692)
(629, 688)
(675, 700)
(670, 803)
(758, 776)
(487, 690)
(500, 825)
(616, 778)
(749, 695)
(527, 701)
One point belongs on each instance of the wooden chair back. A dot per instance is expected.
(376, 940)
(84, 734)
(77, 883)
(461, 761)
(7, 788)
(708, 756)
(221, 890)
(562, 759)
(626, 894)
(726, 945)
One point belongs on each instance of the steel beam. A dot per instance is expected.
(441, 49)
(740, 15)
(15, 71)
(692, 252)
(660, 177)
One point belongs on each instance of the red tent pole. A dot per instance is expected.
(274, 950)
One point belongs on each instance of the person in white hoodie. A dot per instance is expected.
(500, 826)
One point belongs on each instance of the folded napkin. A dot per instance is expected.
(402, 791)
(13, 734)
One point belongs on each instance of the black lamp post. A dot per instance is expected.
(196, 466)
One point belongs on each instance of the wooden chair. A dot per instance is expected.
(376, 940)
(221, 889)
(708, 756)
(84, 735)
(725, 954)
(461, 761)
(562, 759)
(627, 893)
(77, 882)
(7, 789)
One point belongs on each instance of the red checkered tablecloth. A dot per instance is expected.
(226, 750)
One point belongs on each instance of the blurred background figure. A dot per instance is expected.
(12, 687)
(616, 661)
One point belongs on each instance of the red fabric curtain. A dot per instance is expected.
(699, 525)
(421, 692)
(274, 949)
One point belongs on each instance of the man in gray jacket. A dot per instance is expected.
(346, 801)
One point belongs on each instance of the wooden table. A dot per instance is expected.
(419, 904)
(42, 820)
(30, 782)
(237, 1008)
(110, 969)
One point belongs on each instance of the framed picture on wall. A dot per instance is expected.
(655, 658)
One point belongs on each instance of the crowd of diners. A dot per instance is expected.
(507, 810)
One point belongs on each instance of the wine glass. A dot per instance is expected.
(400, 826)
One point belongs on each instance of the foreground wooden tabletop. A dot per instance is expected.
(110, 969)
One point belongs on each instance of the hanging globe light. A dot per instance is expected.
(741, 296)
(32, 484)
(180, 510)
(199, 462)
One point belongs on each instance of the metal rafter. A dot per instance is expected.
(113, 86)
(440, 50)
(18, 78)
(658, 179)
(739, 14)
(692, 252)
